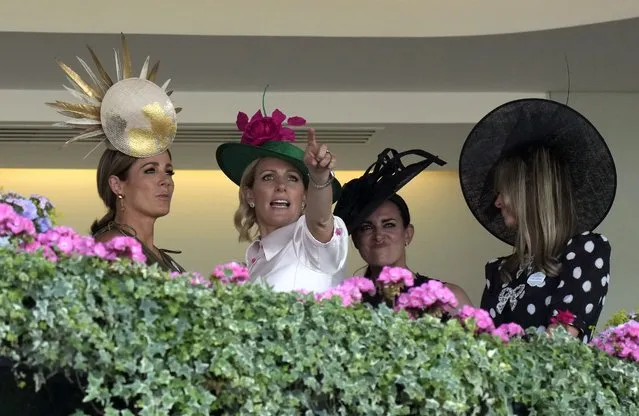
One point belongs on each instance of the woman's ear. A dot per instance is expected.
(249, 196)
(116, 185)
(408, 234)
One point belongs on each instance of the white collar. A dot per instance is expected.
(274, 242)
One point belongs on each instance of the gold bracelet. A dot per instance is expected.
(331, 177)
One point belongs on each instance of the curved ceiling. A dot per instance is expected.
(601, 58)
(328, 18)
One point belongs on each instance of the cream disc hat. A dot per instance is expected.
(132, 114)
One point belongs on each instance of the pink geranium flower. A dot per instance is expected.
(126, 247)
(13, 224)
(621, 341)
(65, 241)
(350, 290)
(483, 321)
(427, 297)
(195, 278)
(361, 284)
(232, 272)
(198, 279)
(396, 275)
(507, 331)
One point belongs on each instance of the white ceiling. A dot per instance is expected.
(602, 57)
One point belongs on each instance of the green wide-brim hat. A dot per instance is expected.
(234, 158)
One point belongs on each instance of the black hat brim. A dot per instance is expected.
(519, 123)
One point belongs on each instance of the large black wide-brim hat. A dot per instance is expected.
(360, 197)
(526, 123)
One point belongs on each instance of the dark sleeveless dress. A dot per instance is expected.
(166, 262)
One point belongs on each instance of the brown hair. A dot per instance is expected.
(112, 163)
(536, 187)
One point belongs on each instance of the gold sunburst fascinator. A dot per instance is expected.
(133, 114)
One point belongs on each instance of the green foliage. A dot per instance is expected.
(621, 317)
(170, 347)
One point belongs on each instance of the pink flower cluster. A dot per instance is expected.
(507, 331)
(64, 240)
(396, 275)
(261, 129)
(13, 224)
(195, 278)
(621, 341)
(232, 272)
(484, 323)
(432, 294)
(226, 273)
(350, 290)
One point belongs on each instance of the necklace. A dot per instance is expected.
(121, 227)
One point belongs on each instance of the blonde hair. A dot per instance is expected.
(244, 219)
(536, 188)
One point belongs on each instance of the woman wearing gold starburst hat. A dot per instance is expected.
(136, 119)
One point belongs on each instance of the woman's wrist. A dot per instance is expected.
(320, 182)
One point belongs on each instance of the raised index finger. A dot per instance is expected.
(311, 140)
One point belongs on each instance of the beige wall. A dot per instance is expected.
(616, 115)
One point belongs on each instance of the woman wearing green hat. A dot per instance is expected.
(285, 201)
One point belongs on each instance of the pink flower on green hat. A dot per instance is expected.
(261, 129)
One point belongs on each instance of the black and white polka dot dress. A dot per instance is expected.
(533, 298)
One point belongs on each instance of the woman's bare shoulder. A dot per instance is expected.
(460, 294)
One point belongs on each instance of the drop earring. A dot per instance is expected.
(252, 204)
(121, 198)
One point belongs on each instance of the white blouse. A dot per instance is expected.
(290, 258)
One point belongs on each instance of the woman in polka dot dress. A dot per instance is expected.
(540, 177)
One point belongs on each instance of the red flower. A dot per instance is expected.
(295, 121)
(563, 317)
(261, 129)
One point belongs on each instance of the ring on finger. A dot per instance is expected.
(329, 154)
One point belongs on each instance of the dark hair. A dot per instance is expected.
(403, 208)
(404, 213)
(401, 205)
(112, 163)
